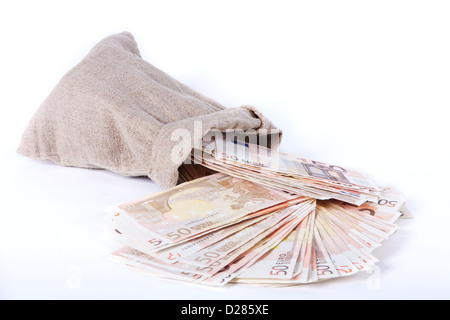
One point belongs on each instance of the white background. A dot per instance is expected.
(362, 84)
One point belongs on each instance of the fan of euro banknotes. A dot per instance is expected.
(248, 214)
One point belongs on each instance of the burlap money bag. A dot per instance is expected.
(116, 111)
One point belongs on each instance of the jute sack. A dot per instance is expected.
(116, 111)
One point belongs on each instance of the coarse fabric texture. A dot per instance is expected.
(116, 111)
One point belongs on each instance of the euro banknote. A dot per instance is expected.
(222, 229)
(286, 172)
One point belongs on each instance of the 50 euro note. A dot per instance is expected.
(342, 242)
(287, 172)
(291, 261)
(138, 261)
(392, 200)
(293, 165)
(280, 262)
(176, 252)
(221, 248)
(193, 208)
(249, 255)
(265, 159)
(331, 242)
(209, 264)
(250, 245)
(240, 226)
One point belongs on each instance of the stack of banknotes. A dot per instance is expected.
(257, 222)
(286, 171)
